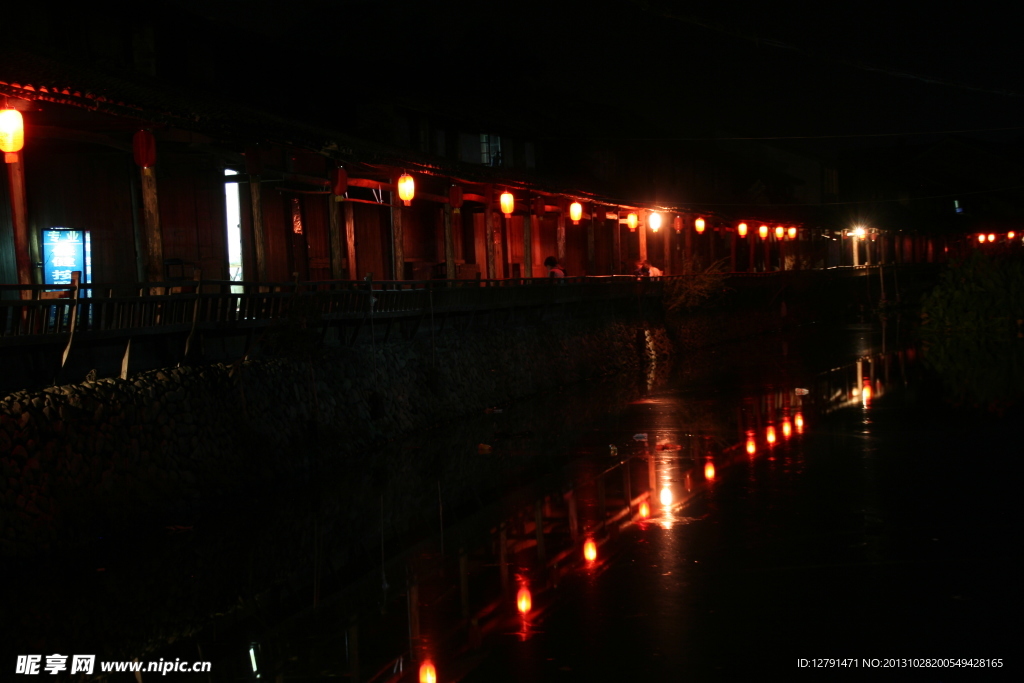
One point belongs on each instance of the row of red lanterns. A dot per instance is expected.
(991, 237)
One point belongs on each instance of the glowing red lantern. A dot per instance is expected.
(991, 237)
(339, 181)
(144, 149)
(645, 510)
(12, 134)
(709, 471)
(508, 203)
(406, 188)
(779, 232)
(763, 232)
(677, 223)
(575, 212)
(792, 233)
(632, 221)
(654, 220)
(698, 225)
(590, 550)
(981, 239)
(1010, 235)
(428, 674)
(741, 229)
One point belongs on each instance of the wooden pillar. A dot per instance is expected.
(19, 221)
(337, 249)
(732, 251)
(397, 235)
(258, 241)
(767, 252)
(151, 227)
(617, 247)
(782, 254)
(528, 244)
(449, 243)
(666, 267)
(591, 262)
(350, 241)
(489, 230)
(642, 229)
(560, 234)
(687, 248)
(751, 266)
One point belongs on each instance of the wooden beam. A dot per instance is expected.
(350, 241)
(337, 250)
(19, 219)
(642, 229)
(151, 227)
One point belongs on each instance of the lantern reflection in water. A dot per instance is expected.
(709, 471)
(751, 445)
(666, 496)
(590, 550)
(798, 420)
(524, 601)
(645, 510)
(865, 395)
(428, 674)
(787, 429)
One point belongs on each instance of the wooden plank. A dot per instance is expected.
(489, 237)
(350, 241)
(560, 236)
(258, 238)
(397, 239)
(449, 243)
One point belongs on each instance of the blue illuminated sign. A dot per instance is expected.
(65, 251)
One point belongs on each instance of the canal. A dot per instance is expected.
(767, 506)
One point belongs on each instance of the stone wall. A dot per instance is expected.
(77, 459)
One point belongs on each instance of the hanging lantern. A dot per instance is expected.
(12, 134)
(575, 212)
(1010, 235)
(632, 221)
(508, 203)
(991, 237)
(144, 149)
(455, 198)
(981, 239)
(406, 188)
(590, 550)
(779, 232)
(524, 601)
(741, 229)
(792, 233)
(677, 223)
(763, 232)
(428, 674)
(699, 225)
(709, 471)
(654, 220)
(339, 181)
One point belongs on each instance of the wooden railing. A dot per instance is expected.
(36, 312)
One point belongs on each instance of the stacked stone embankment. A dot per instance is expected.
(78, 458)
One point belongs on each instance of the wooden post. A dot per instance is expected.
(337, 252)
(752, 265)
(642, 229)
(489, 231)
(617, 247)
(528, 244)
(350, 241)
(687, 248)
(449, 243)
(666, 265)
(258, 241)
(151, 222)
(732, 251)
(767, 252)
(591, 264)
(19, 220)
(397, 236)
(560, 234)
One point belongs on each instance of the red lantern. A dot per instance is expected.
(763, 232)
(339, 181)
(12, 134)
(632, 221)
(677, 223)
(575, 212)
(508, 203)
(779, 232)
(144, 149)
(699, 225)
(406, 188)
(792, 233)
(455, 198)
(741, 229)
